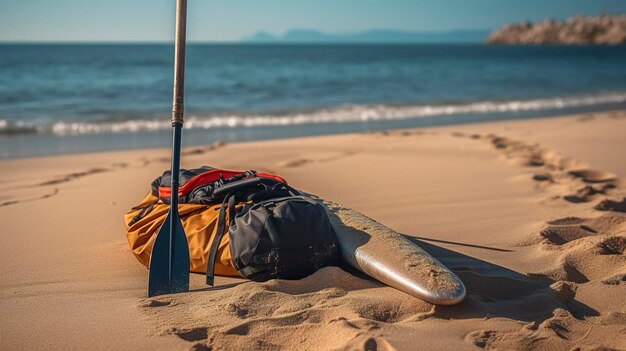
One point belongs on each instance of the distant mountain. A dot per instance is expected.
(371, 36)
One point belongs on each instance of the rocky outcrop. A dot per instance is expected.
(576, 30)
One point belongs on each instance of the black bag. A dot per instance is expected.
(278, 233)
(289, 238)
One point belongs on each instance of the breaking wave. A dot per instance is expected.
(342, 114)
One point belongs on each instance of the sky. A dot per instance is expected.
(231, 20)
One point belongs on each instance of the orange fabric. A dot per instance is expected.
(200, 224)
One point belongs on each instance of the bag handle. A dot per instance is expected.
(236, 185)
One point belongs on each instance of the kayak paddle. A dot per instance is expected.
(169, 260)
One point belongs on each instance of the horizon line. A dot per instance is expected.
(226, 42)
(247, 39)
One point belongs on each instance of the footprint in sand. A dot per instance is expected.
(294, 163)
(565, 230)
(559, 235)
(553, 169)
(331, 156)
(593, 176)
(553, 333)
(402, 133)
(203, 150)
(155, 302)
(615, 280)
(614, 245)
(543, 177)
(611, 205)
(196, 151)
(549, 164)
(589, 193)
(561, 331)
(52, 193)
(588, 249)
(194, 334)
(73, 176)
(26, 191)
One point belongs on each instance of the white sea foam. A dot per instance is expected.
(342, 114)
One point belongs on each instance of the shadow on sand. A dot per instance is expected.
(496, 291)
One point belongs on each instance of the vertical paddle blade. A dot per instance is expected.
(169, 261)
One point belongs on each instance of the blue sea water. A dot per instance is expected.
(58, 99)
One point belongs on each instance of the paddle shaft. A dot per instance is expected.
(178, 107)
(169, 259)
(178, 110)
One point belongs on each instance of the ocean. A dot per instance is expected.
(68, 98)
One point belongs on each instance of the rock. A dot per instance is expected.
(576, 30)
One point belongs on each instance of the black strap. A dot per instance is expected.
(219, 233)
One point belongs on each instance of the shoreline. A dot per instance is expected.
(504, 204)
(196, 137)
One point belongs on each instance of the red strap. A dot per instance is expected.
(209, 177)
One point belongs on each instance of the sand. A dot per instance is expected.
(530, 214)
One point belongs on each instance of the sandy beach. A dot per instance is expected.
(531, 214)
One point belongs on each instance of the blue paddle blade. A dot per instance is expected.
(169, 261)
